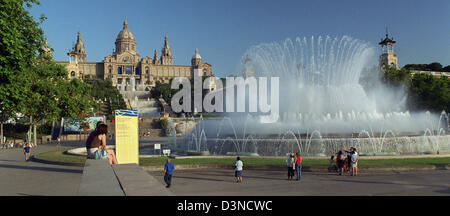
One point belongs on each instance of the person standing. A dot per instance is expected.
(290, 162)
(26, 152)
(168, 172)
(355, 158)
(340, 162)
(298, 166)
(238, 170)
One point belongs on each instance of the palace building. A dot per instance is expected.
(125, 63)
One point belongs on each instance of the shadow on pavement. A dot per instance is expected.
(49, 169)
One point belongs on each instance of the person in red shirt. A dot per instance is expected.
(298, 166)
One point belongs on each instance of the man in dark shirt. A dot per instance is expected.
(168, 171)
(91, 137)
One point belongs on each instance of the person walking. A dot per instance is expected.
(168, 172)
(26, 152)
(290, 162)
(238, 167)
(298, 166)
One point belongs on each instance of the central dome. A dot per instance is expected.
(125, 40)
(125, 33)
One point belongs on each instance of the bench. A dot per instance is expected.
(102, 179)
(99, 179)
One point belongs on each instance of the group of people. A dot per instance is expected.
(347, 161)
(294, 165)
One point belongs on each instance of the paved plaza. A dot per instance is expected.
(20, 178)
(275, 183)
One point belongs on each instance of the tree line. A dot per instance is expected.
(32, 85)
(435, 66)
(425, 91)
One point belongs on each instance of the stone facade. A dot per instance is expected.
(125, 63)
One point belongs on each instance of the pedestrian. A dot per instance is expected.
(168, 172)
(290, 162)
(90, 150)
(26, 152)
(238, 167)
(298, 166)
(340, 162)
(355, 158)
(348, 160)
(332, 167)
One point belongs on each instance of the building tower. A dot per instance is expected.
(196, 59)
(47, 51)
(387, 57)
(155, 58)
(125, 41)
(166, 53)
(78, 53)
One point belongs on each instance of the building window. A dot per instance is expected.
(72, 73)
(110, 69)
(119, 70)
(128, 81)
(119, 81)
(137, 72)
(146, 70)
(128, 69)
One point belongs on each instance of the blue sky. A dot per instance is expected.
(223, 30)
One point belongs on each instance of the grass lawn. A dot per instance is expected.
(58, 156)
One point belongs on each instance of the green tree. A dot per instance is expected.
(104, 91)
(51, 95)
(397, 77)
(21, 40)
(435, 66)
(427, 92)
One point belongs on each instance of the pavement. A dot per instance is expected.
(221, 182)
(20, 178)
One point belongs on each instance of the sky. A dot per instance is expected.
(223, 30)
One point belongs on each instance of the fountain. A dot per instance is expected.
(324, 108)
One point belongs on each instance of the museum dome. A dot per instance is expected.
(196, 55)
(125, 33)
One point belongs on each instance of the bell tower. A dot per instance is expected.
(387, 57)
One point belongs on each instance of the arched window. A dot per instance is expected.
(72, 74)
(146, 70)
(119, 70)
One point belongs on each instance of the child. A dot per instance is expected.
(26, 151)
(332, 167)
